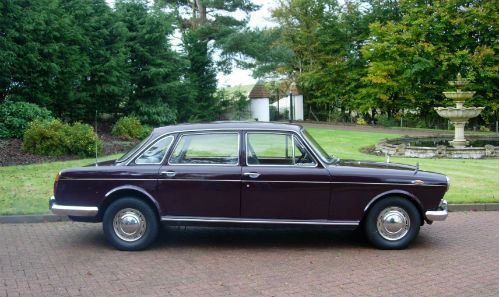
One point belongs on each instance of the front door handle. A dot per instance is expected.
(252, 174)
(168, 173)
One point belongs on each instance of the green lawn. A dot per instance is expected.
(26, 189)
(472, 181)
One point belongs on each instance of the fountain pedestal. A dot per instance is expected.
(459, 115)
(459, 141)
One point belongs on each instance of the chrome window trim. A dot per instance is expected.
(229, 131)
(258, 221)
(149, 146)
(279, 132)
(312, 146)
(139, 151)
(131, 157)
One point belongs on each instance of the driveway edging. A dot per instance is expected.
(44, 218)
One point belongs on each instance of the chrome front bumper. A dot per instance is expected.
(438, 214)
(72, 210)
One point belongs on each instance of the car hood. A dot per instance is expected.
(375, 165)
(379, 172)
(103, 163)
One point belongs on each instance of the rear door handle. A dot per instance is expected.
(252, 174)
(168, 173)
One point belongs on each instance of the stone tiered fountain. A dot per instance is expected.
(459, 115)
(441, 146)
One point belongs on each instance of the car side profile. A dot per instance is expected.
(247, 174)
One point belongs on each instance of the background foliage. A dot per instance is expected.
(55, 138)
(77, 56)
(15, 116)
(391, 57)
(158, 60)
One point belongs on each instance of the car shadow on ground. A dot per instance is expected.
(245, 238)
(255, 238)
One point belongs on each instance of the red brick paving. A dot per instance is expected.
(458, 257)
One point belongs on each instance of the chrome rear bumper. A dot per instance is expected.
(72, 210)
(438, 214)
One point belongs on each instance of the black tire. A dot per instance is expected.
(130, 224)
(392, 223)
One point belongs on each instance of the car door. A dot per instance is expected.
(202, 176)
(281, 179)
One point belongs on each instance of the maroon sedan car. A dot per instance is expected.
(247, 174)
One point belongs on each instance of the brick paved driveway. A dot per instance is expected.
(458, 257)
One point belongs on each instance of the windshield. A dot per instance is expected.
(320, 151)
(133, 150)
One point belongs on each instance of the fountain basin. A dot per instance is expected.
(458, 114)
(440, 146)
(459, 96)
(458, 83)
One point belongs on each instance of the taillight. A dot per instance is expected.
(56, 180)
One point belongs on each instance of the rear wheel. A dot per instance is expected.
(130, 224)
(392, 223)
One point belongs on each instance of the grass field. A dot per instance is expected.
(472, 181)
(26, 189)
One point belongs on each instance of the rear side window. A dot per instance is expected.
(156, 152)
(209, 148)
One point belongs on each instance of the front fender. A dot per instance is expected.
(395, 192)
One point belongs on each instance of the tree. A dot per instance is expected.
(411, 60)
(40, 44)
(103, 48)
(152, 67)
(325, 38)
(209, 25)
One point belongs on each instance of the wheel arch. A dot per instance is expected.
(128, 191)
(395, 193)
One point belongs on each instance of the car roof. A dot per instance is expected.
(229, 125)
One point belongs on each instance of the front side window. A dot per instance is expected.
(133, 150)
(276, 149)
(212, 148)
(156, 152)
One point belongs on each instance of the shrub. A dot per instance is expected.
(360, 121)
(15, 116)
(484, 129)
(55, 138)
(157, 114)
(80, 139)
(128, 126)
(146, 131)
(383, 120)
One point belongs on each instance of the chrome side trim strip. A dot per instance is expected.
(257, 221)
(199, 180)
(391, 184)
(287, 181)
(71, 210)
(253, 181)
(96, 178)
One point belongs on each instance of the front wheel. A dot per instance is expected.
(130, 224)
(392, 223)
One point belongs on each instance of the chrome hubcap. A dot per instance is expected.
(393, 223)
(129, 224)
